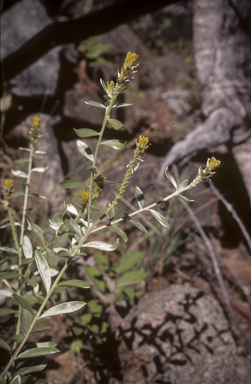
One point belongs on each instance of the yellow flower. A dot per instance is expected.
(212, 163)
(36, 121)
(128, 67)
(143, 142)
(85, 196)
(9, 184)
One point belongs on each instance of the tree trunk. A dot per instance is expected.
(222, 50)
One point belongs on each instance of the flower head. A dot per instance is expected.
(128, 69)
(212, 164)
(8, 184)
(35, 129)
(143, 142)
(85, 196)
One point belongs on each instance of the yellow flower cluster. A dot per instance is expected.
(9, 184)
(35, 129)
(143, 142)
(128, 69)
(212, 164)
(85, 196)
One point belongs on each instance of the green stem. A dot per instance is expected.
(26, 193)
(35, 319)
(107, 113)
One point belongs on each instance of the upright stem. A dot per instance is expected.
(26, 193)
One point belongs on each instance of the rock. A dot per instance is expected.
(19, 24)
(75, 107)
(179, 336)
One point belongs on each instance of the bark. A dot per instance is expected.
(92, 24)
(222, 50)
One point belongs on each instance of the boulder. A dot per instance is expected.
(179, 336)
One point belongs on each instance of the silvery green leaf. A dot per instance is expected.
(138, 225)
(33, 368)
(27, 247)
(70, 208)
(71, 224)
(186, 199)
(26, 319)
(86, 132)
(124, 105)
(4, 345)
(56, 224)
(19, 174)
(39, 169)
(161, 219)
(102, 245)
(139, 196)
(16, 380)
(24, 149)
(104, 86)
(170, 178)
(95, 104)
(24, 303)
(116, 124)
(40, 152)
(85, 150)
(7, 311)
(120, 232)
(21, 161)
(111, 213)
(73, 184)
(35, 352)
(75, 283)
(115, 144)
(8, 249)
(9, 224)
(5, 293)
(9, 275)
(53, 272)
(60, 309)
(38, 232)
(183, 184)
(44, 270)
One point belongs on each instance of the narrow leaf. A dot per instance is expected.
(116, 124)
(44, 270)
(7, 311)
(40, 329)
(124, 105)
(60, 309)
(139, 196)
(19, 174)
(38, 233)
(24, 303)
(111, 213)
(27, 247)
(70, 208)
(86, 132)
(115, 144)
(39, 169)
(8, 249)
(183, 184)
(21, 161)
(73, 184)
(158, 216)
(85, 150)
(4, 345)
(16, 380)
(104, 86)
(138, 225)
(34, 368)
(102, 245)
(35, 352)
(75, 283)
(120, 232)
(186, 199)
(9, 275)
(26, 320)
(170, 178)
(71, 224)
(95, 104)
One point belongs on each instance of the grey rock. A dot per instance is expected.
(179, 336)
(19, 24)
